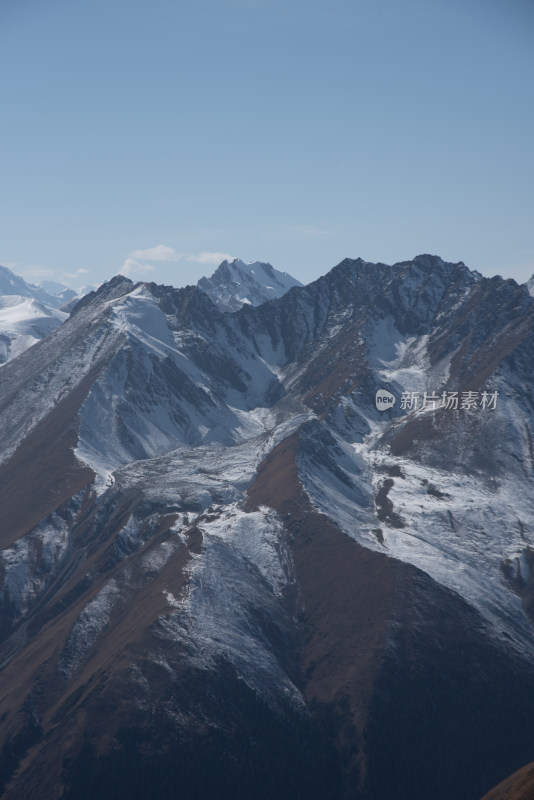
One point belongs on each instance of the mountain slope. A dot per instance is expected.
(519, 786)
(223, 566)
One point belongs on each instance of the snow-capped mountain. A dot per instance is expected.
(234, 284)
(27, 314)
(283, 552)
(530, 285)
(11, 284)
(23, 321)
(66, 296)
(57, 289)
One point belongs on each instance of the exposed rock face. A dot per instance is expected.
(224, 572)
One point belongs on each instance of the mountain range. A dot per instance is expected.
(29, 313)
(282, 551)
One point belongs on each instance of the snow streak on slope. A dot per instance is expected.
(234, 601)
(403, 361)
(33, 561)
(48, 377)
(461, 529)
(89, 625)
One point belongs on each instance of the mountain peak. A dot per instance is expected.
(117, 286)
(235, 284)
(427, 262)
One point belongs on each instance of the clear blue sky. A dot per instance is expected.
(148, 137)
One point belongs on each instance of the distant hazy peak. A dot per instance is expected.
(234, 284)
(11, 284)
(53, 287)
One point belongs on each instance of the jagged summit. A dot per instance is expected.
(430, 261)
(109, 290)
(432, 264)
(234, 284)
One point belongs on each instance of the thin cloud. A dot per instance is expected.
(74, 275)
(132, 268)
(161, 252)
(209, 258)
(34, 273)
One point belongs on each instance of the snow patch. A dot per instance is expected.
(235, 586)
(89, 626)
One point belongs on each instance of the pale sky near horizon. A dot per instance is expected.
(156, 138)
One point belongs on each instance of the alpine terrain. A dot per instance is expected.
(282, 552)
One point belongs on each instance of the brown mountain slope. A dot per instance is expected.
(519, 786)
(396, 668)
(346, 596)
